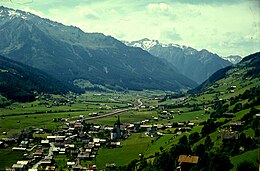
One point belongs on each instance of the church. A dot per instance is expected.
(116, 132)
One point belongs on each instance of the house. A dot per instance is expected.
(78, 126)
(1, 144)
(115, 144)
(45, 143)
(164, 112)
(83, 155)
(228, 115)
(18, 149)
(21, 165)
(62, 151)
(37, 154)
(33, 170)
(186, 162)
(46, 162)
(146, 127)
(180, 124)
(155, 118)
(70, 164)
(24, 144)
(56, 150)
(191, 124)
(18, 167)
(56, 138)
(50, 168)
(110, 165)
(235, 125)
(226, 134)
(92, 167)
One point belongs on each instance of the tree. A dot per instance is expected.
(237, 107)
(194, 137)
(208, 143)
(199, 150)
(208, 127)
(132, 165)
(219, 161)
(183, 140)
(164, 162)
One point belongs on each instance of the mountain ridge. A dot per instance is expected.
(196, 65)
(250, 62)
(68, 54)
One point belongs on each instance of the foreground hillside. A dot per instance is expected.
(69, 54)
(229, 138)
(22, 83)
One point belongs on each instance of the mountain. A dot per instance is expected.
(196, 65)
(18, 81)
(69, 54)
(233, 59)
(246, 70)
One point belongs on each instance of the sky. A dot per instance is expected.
(225, 27)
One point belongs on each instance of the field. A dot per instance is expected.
(8, 157)
(251, 156)
(136, 144)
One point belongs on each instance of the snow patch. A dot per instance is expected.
(147, 44)
(13, 13)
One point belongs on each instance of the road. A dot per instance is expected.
(140, 103)
(50, 154)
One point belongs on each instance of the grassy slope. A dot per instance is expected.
(131, 148)
(251, 156)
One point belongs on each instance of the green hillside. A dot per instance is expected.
(22, 83)
(218, 144)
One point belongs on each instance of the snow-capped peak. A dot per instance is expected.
(147, 44)
(234, 59)
(12, 13)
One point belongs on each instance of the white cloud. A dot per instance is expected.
(160, 7)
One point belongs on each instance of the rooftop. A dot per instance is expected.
(188, 159)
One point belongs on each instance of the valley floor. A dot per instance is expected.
(149, 127)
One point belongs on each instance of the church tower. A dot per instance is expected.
(116, 132)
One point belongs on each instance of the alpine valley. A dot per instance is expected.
(72, 100)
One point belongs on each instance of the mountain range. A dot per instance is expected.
(196, 65)
(68, 54)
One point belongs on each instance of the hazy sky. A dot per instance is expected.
(224, 27)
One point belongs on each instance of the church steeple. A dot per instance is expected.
(118, 122)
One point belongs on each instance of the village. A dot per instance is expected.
(80, 141)
(77, 140)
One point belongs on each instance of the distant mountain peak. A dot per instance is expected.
(234, 59)
(147, 44)
(13, 13)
